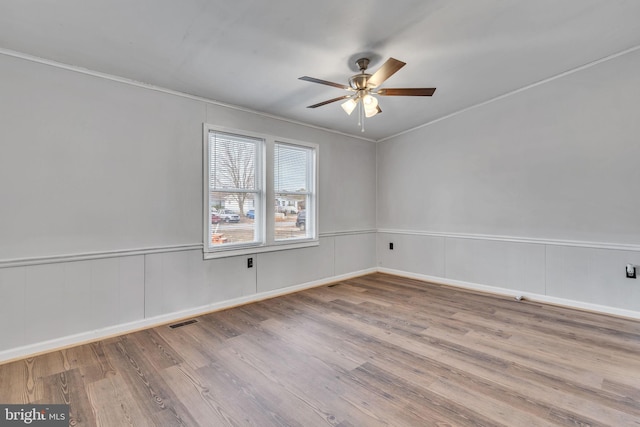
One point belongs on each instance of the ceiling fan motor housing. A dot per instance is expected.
(359, 81)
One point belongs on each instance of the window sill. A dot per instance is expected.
(250, 250)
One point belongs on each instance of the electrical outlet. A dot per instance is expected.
(631, 271)
(390, 246)
(249, 262)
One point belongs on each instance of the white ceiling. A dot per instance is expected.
(250, 53)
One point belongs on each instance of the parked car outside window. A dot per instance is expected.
(251, 214)
(286, 210)
(227, 215)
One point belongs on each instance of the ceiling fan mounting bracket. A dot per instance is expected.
(362, 63)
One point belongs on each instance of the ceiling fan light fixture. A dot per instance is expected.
(368, 112)
(370, 104)
(369, 100)
(349, 105)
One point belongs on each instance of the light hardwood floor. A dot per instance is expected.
(375, 350)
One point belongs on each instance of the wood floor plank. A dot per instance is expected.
(496, 410)
(375, 350)
(157, 351)
(259, 400)
(91, 361)
(302, 377)
(320, 345)
(69, 388)
(197, 395)
(113, 404)
(146, 385)
(190, 343)
(420, 403)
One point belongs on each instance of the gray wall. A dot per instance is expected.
(101, 208)
(536, 192)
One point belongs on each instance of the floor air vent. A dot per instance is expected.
(185, 323)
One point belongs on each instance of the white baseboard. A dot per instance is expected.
(111, 331)
(603, 309)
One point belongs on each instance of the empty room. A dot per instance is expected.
(339, 213)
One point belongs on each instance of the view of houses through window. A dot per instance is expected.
(236, 191)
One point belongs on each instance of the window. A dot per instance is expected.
(260, 193)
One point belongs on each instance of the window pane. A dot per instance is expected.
(233, 160)
(234, 190)
(228, 224)
(292, 184)
(291, 217)
(291, 173)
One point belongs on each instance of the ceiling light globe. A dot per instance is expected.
(349, 106)
(370, 111)
(370, 104)
(370, 101)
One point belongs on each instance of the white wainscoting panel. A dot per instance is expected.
(510, 265)
(281, 269)
(229, 278)
(79, 291)
(177, 281)
(354, 252)
(412, 253)
(45, 314)
(63, 299)
(105, 292)
(102, 292)
(131, 288)
(593, 275)
(13, 306)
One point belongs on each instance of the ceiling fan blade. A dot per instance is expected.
(424, 91)
(388, 69)
(323, 82)
(329, 101)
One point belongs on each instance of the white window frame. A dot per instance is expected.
(265, 218)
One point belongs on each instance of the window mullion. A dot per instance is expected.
(269, 200)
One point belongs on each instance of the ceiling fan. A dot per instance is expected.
(364, 86)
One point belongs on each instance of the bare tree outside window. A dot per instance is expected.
(236, 170)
